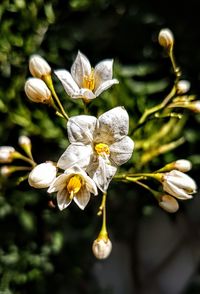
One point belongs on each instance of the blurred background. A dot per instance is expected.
(43, 250)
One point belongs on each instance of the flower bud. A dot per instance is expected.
(102, 247)
(5, 170)
(24, 141)
(183, 86)
(37, 91)
(168, 203)
(194, 106)
(166, 38)
(183, 165)
(38, 66)
(6, 154)
(179, 185)
(42, 175)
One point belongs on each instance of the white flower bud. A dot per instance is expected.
(183, 165)
(102, 248)
(195, 106)
(37, 91)
(42, 175)
(24, 140)
(168, 203)
(5, 171)
(166, 38)
(6, 154)
(179, 184)
(183, 86)
(38, 66)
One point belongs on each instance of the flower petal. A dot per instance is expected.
(68, 82)
(58, 183)
(104, 86)
(80, 128)
(121, 151)
(63, 199)
(102, 173)
(112, 126)
(82, 198)
(103, 72)
(84, 93)
(80, 68)
(75, 155)
(175, 191)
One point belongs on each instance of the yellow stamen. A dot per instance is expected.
(88, 81)
(102, 149)
(74, 185)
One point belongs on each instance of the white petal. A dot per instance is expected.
(80, 68)
(91, 186)
(181, 180)
(175, 191)
(121, 151)
(75, 155)
(82, 198)
(80, 128)
(102, 173)
(103, 72)
(63, 199)
(68, 82)
(58, 184)
(112, 125)
(84, 94)
(104, 86)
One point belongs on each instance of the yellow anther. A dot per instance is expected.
(88, 81)
(102, 149)
(74, 185)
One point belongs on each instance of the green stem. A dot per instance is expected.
(18, 155)
(48, 81)
(103, 233)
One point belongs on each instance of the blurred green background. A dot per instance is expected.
(43, 250)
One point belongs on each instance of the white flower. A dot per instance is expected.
(6, 154)
(42, 175)
(98, 145)
(84, 81)
(168, 203)
(73, 184)
(179, 184)
(37, 91)
(102, 248)
(38, 66)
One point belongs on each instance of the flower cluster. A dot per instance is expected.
(98, 146)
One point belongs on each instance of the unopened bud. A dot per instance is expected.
(6, 154)
(42, 175)
(168, 203)
(102, 247)
(183, 86)
(195, 106)
(24, 140)
(182, 165)
(166, 38)
(38, 66)
(37, 91)
(5, 170)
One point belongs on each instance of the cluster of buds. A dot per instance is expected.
(35, 88)
(176, 183)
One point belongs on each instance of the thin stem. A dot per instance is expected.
(49, 82)
(103, 231)
(18, 155)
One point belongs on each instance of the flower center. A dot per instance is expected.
(74, 185)
(88, 81)
(102, 149)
